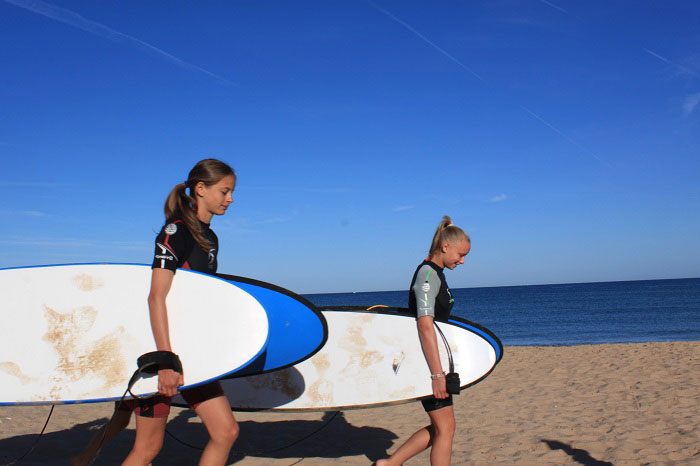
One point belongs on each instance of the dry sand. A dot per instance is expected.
(627, 404)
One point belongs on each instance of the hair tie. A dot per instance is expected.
(185, 183)
(450, 225)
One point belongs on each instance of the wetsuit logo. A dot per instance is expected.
(212, 257)
(170, 229)
(164, 250)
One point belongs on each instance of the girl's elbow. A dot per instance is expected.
(154, 299)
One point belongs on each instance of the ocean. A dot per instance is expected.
(566, 314)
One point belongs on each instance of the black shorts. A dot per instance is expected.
(159, 405)
(432, 403)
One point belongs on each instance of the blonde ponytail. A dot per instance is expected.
(446, 233)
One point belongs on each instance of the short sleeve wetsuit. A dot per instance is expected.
(429, 295)
(176, 248)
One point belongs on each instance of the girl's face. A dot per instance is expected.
(216, 198)
(453, 253)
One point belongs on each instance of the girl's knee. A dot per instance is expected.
(147, 451)
(445, 427)
(226, 436)
(448, 429)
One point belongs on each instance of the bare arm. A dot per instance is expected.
(428, 342)
(161, 280)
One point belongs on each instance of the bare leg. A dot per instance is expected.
(118, 423)
(222, 427)
(443, 421)
(149, 440)
(438, 434)
(419, 441)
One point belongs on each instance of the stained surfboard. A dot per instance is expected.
(72, 333)
(371, 358)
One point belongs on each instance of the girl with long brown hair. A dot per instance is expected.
(186, 241)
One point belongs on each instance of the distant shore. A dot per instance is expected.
(615, 403)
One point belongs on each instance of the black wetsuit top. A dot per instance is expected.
(443, 300)
(176, 248)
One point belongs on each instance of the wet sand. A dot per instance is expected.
(626, 404)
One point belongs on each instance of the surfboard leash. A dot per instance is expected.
(143, 366)
(106, 428)
(36, 442)
(261, 452)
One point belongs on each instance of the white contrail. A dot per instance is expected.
(425, 39)
(653, 54)
(554, 6)
(533, 114)
(677, 65)
(74, 19)
(562, 134)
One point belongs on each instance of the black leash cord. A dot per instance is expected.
(131, 383)
(259, 452)
(106, 428)
(447, 347)
(36, 442)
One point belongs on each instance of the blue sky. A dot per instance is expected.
(563, 136)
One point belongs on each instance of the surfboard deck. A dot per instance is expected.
(371, 358)
(72, 333)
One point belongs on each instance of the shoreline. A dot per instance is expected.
(568, 345)
(617, 403)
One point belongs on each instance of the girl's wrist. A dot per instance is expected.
(437, 376)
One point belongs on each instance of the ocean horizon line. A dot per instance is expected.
(512, 286)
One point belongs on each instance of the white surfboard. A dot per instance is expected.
(370, 359)
(72, 333)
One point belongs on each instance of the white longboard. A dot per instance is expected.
(72, 333)
(370, 359)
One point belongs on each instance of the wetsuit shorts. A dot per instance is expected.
(432, 403)
(159, 405)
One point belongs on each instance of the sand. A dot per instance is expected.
(622, 404)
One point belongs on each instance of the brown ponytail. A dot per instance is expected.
(181, 205)
(446, 233)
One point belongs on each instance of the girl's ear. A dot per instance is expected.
(199, 189)
(444, 247)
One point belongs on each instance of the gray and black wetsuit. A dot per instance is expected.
(429, 295)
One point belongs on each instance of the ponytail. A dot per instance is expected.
(181, 205)
(446, 233)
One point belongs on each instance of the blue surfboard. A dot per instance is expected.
(297, 329)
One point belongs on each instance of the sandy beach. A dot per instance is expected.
(622, 404)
